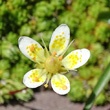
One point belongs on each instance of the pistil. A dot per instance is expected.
(52, 64)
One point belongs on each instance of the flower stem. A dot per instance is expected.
(14, 92)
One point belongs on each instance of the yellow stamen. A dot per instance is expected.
(46, 85)
(64, 87)
(48, 78)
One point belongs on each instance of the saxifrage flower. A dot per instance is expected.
(52, 64)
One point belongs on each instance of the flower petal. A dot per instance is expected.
(60, 39)
(60, 84)
(76, 59)
(30, 48)
(34, 78)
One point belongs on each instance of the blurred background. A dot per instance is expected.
(89, 23)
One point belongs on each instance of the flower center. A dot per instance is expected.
(52, 64)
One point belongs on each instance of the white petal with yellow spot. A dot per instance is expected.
(60, 84)
(76, 58)
(60, 39)
(34, 78)
(30, 48)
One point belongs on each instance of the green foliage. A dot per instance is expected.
(101, 99)
(99, 90)
(88, 22)
(8, 85)
(77, 92)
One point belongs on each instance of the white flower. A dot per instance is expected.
(51, 64)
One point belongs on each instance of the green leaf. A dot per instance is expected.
(105, 77)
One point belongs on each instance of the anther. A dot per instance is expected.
(64, 87)
(36, 79)
(33, 58)
(60, 58)
(46, 85)
(31, 48)
(54, 53)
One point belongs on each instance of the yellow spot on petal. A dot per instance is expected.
(62, 32)
(60, 35)
(62, 47)
(30, 54)
(56, 36)
(58, 43)
(27, 47)
(38, 49)
(35, 44)
(73, 59)
(31, 76)
(35, 71)
(34, 55)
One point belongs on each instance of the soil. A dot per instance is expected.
(49, 100)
